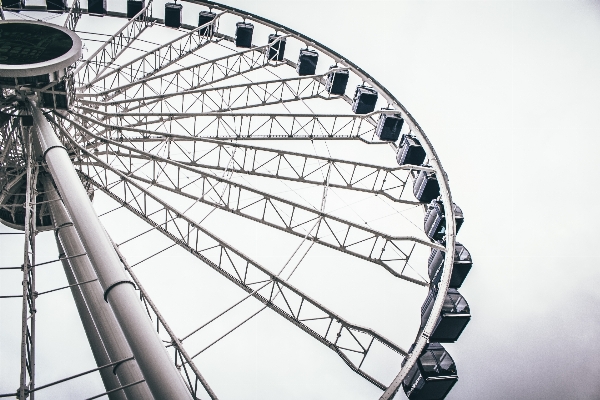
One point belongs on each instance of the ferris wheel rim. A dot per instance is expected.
(437, 166)
(432, 156)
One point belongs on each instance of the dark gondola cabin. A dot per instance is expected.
(337, 81)
(134, 7)
(426, 187)
(56, 5)
(14, 4)
(277, 47)
(365, 99)
(432, 376)
(204, 17)
(307, 62)
(389, 127)
(462, 265)
(410, 151)
(435, 220)
(453, 319)
(243, 34)
(173, 13)
(97, 7)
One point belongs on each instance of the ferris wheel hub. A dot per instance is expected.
(35, 63)
(37, 57)
(30, 48)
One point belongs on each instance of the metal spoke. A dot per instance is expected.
(247, 125)
(163, 128)
(161, 322)
(391, 252)
(77, 375)
(265, 162)
(104, 57)
(183, 79)
(73, 16)
(224, 98)
(237, 267)
(150, 63)
(28, 333)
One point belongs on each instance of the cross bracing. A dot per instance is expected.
(73, 16)
(181, 357)
(326, 326)
(262, 161)
(104, 57)
(238, 268)
(129, 82)
(162, 57)
(173, 126)
(391, 252)
(215, 99)
(345, 338)
(245, 125)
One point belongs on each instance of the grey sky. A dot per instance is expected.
(507, 91)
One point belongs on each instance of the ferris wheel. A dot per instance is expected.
(201, 169)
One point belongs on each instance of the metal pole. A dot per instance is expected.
(158, 369)
(32, 293)
(26, 361)
(104, 319)
(175, 340)
(110, 380)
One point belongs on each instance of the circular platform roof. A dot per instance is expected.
(30, 48)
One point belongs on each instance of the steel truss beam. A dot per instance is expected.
(103, 58)
(105, 323)
(278, 164)
(186, 79)
(73, 16)
(190, 372)
(433, 160)
(163, 379)
(14, 177)
(344, 338)
(182, 79)
(27, 372)
(246, 125)
(11, 146)
(390, 252)
(150, 63)
(222, 98)
(13, 164)
(110, 380)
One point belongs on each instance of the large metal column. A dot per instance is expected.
(158, 369)
(104, 321)
(110, 380)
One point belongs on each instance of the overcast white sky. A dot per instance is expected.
(507, 91)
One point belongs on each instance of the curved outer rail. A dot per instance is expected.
(433, 160)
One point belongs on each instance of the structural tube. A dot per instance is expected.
(103, 317)
(110, 380)
(158, 369)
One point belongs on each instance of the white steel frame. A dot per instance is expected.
(126, 111)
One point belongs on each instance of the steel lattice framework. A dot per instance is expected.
(172, 125)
